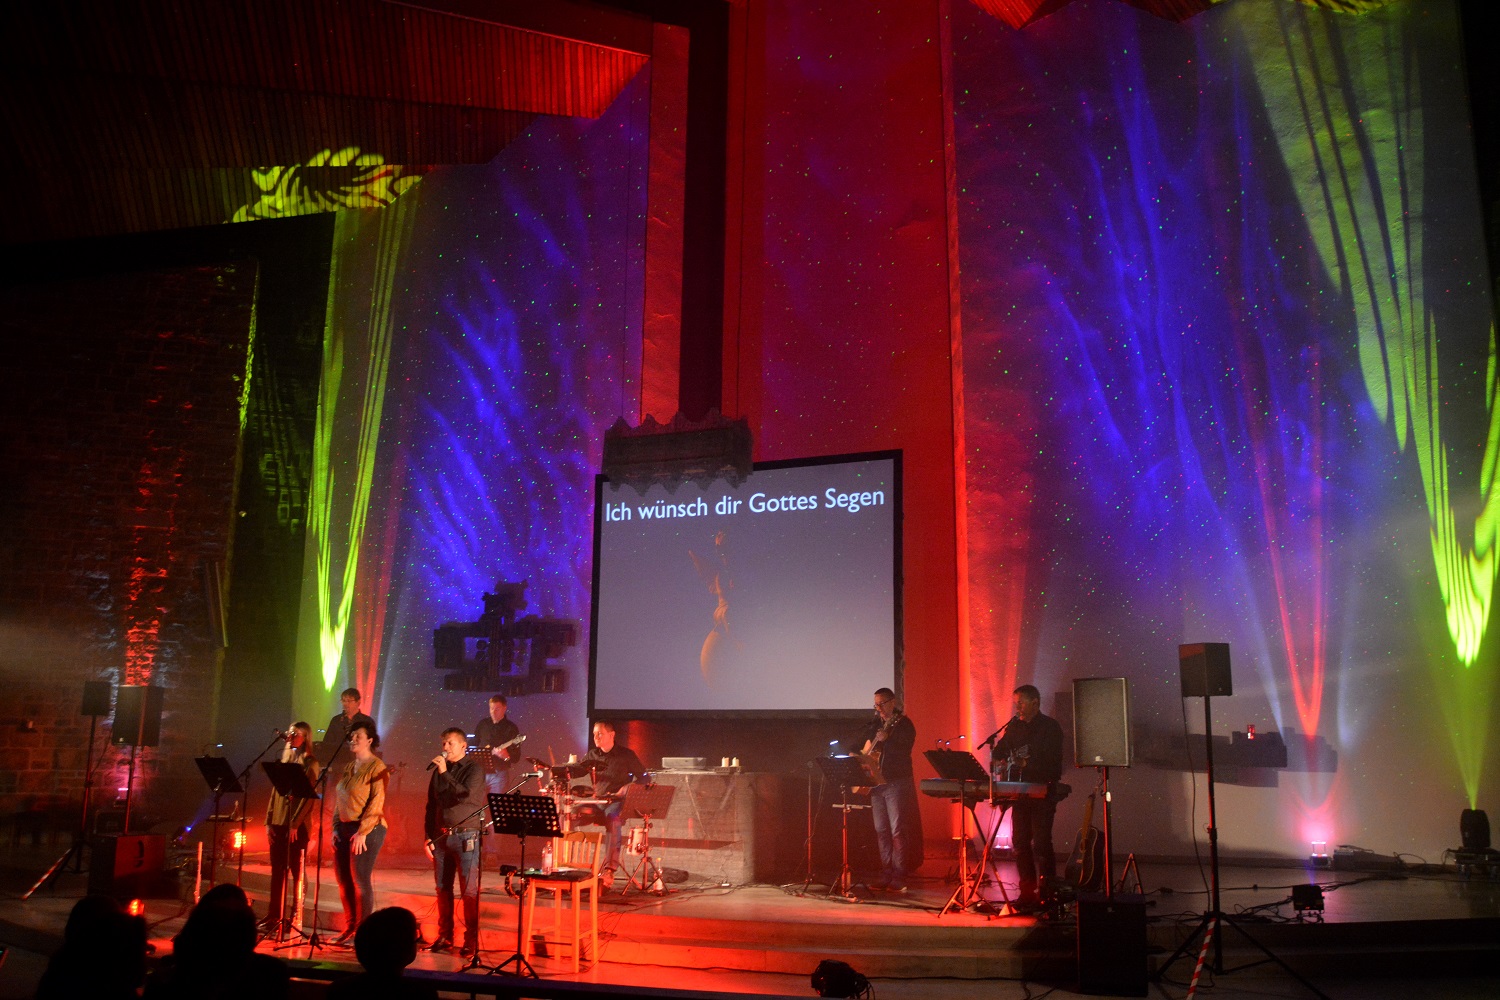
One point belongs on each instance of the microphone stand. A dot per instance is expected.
(314, 940)
(239, 875)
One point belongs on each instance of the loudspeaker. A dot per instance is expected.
(1474, 829)
(95, 698)
(1101, 722)
(127, 865)
(137, 715)
(1205, 669)
(1112, 944)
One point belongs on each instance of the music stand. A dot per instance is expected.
(964, 769)
(221, 781)
(643, 802)
(847, 772)
(522, 816)
(289, 779)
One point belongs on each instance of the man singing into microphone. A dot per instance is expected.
(1031, 750)
(451, 826)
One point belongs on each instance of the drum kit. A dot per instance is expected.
(573, 802)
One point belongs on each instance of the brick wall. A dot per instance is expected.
(120, 403)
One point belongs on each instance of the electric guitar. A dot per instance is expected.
(491, 762)
(1085, 868)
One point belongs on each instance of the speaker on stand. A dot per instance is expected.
(137, 724)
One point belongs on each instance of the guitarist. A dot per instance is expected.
(495, 730)
(1033, 744)
(893, 804)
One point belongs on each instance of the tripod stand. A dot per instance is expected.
(846, 772)
(221, 781)
(1214, 917)
(93, 709)
(963, 770)
(522, 816)
(643, 801)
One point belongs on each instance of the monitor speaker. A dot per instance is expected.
(95, 698)
(137, 716)
(1101, 722)
(1112, 944)
(127, 865)
(1205, 669)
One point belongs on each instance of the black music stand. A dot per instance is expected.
(963, 769)
(522, 816)
(221, 781)
(642, 802)
(847, 772)
(288, 779)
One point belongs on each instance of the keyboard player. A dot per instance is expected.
(614, 766)
(1031, 750)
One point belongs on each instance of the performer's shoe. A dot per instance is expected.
(344, 940)
(607, 878)
(441, 945)
(470, 951)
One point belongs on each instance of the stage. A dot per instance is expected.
(1389, 934)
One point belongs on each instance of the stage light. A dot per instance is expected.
(237, 839)
(136, 908)
(1319, 857)
(1307, 898)
(839, 979)
(1474, 830)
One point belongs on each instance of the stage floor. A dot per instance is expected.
(1402, 934)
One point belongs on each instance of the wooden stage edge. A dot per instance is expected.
(1383, 921)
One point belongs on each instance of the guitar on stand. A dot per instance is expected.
(1085, 868)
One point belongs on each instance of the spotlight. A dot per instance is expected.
(838, 979)
(1308, 898)
(1319, 857)
(1474, 830)
(136, 908)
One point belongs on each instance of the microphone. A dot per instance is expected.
(280, 735)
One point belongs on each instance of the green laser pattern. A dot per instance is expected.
(355, 368)
(1345, 100)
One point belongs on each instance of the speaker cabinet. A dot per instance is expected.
(1112, 944)
(127, 865)
(137, 716)
(1101, 722)
(95, 698)
(1205, 669)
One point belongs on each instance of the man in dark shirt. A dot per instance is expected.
(451, 826)
(493, 731)
(893, 805)
(336, 736)
(1031, 750)
(614, 766)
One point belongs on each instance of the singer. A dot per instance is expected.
(360, 827)
(1033, 743)
(452, 825)
(286, 824)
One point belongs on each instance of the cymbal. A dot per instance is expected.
(570, 770)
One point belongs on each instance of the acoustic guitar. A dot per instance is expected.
(1085, 868)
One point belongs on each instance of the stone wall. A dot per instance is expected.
(120, 396)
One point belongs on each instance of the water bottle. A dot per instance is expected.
(547, 858)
